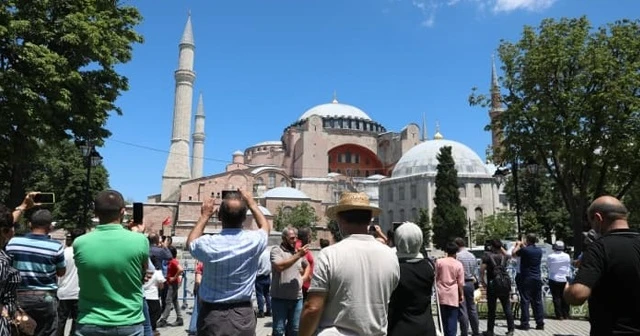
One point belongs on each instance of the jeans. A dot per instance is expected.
(194, 316)
(147, 319)
(172, 301)
(67, 309)
(468, 314)
(155, 310)
(43, 309)
(531, 294)
(492, 300)
(560, 306)
(449, 319)
(94, 330)
(286, 313)
(263, 284)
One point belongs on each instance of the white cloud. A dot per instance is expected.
(429, 8)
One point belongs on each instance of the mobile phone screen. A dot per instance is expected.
(137, 213)
(44, 198)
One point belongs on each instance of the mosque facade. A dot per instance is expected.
(330, 148)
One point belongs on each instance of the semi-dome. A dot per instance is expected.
(335, 109)
(285, 192)
(264, 211)
(422, 159)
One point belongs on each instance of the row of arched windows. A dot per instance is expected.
(477, 191)
(479, 215)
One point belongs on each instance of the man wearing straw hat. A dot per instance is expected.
(353, 279)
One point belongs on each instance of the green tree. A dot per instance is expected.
(335, 230)
(300, 216)
(572, 105)
(60, 168)
(449, 219)
(542, 210)
(425, 225)
(501, 225)
(58, 77)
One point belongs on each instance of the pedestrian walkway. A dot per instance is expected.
(551, 328)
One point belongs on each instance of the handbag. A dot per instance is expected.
(22, 324)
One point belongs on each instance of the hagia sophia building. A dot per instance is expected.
(330, 148)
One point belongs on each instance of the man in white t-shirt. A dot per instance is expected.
(68, 288)
(559, 264)
(353, 279)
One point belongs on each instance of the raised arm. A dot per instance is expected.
(261, 221)
(205, 213)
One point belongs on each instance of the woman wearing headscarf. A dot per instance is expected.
(410, 304)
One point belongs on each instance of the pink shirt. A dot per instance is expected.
(449, 277)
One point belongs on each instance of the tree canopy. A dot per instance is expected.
(302, 215)
(58, 76)
(425, 225)
(501, 225)
(449, 218)
(573, 104)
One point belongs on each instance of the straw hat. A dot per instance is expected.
(352, 201)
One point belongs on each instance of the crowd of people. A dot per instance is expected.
(111, 280)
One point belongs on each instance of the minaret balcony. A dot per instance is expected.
(183, 75)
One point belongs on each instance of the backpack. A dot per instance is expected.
(501, 283)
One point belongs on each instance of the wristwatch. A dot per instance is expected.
(21, 209)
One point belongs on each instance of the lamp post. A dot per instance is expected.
(532, 167)
(469, 233)
(91, 159)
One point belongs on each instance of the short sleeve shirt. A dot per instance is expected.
(288, 283)
(199, 266)
(37, 257)
(530, 262)
(172, 270)
(611, 268)
(111, 291)
(497, 258)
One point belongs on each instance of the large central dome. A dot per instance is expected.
(336, 110)
(422, 159)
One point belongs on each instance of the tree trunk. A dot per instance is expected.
(16, 187)
(579, 226)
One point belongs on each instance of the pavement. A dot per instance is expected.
(551, 328)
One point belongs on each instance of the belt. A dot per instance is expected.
(263, 275)
(469, 280)
(37, 292)
(226, 305)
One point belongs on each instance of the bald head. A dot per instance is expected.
(233, 210)
(606, 210)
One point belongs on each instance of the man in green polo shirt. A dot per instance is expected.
(111, 263)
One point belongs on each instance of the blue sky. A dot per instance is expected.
(261, 64)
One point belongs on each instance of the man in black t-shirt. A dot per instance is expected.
(609, 274)
(531, 281)
(497, 256)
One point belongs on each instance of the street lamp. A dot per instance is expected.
(532, 167)
(91, 159)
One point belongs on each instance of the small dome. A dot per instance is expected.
(335, 109)
(422, 159)
(285, 192)
(238, 153)
(264, 211)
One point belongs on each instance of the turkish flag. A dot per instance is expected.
(167, 221)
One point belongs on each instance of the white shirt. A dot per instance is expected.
(68, 287)
(514, 258)
(559, 264)
(151, 286)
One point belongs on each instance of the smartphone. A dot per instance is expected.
(227, 192)
(137, 213)
(44, 198)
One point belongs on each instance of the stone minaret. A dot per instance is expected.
(197, 160)
(177, 168)
(494, 113)
(424, 128)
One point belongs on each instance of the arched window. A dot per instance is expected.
(463, 191)
(283, 182)
(287, 210)
(477, 191)
(259, 181)
(402, 219)
(479, 215)
(390, 216)
(272, 180)
(414, 214)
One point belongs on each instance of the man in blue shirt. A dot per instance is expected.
(531, 291)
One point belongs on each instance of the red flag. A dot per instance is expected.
(167, 221)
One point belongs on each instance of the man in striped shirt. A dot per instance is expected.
(468, 311)
(39, 259)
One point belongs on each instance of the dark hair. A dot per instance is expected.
(451, 248)
(41, 218)
(532, 238)
(6, 217)
(304, 234)
(173, 251)
(72, 235)
(324, 243)
(459, 241)
(108, 206)
(232, 216)
(362, 217)
(154, 239)
(496, 244)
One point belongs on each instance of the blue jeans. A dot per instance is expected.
(468, 314)
(94, 330)
(449, 319)
(531, 295)
(193, 325)
(262, 293)
(286, 313)
(147, 318)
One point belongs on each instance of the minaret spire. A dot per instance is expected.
(438, 135)
(335, 97)
(494, 114)
(177, 168)
(424, 127)
(197, 160)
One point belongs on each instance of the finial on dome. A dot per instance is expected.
(438, 135)
(335, 97)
